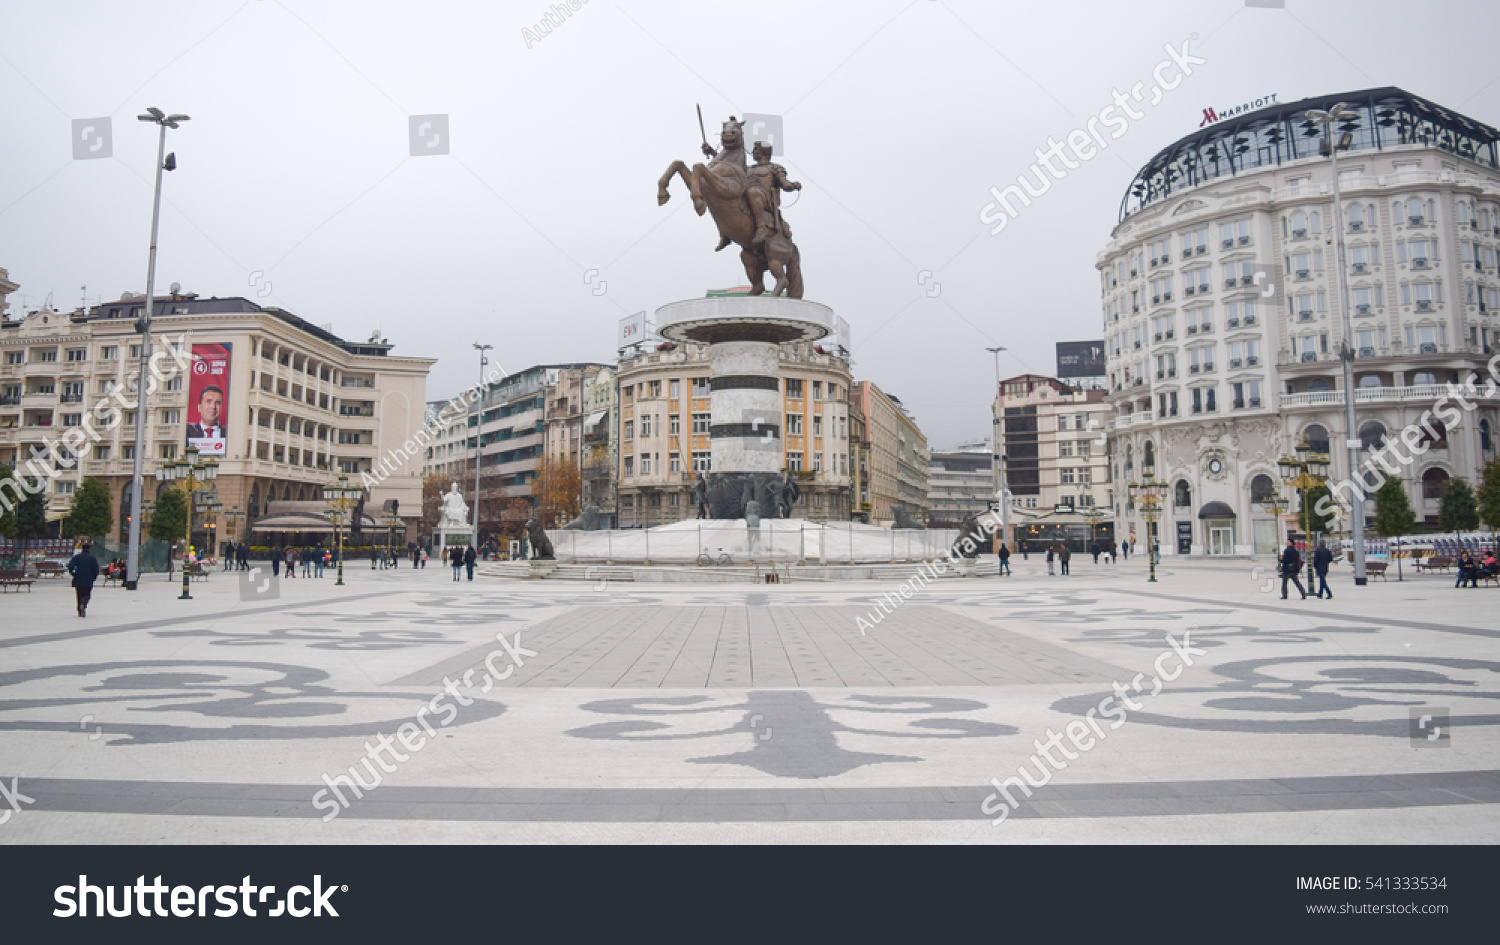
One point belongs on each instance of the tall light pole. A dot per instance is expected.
(478, 418)
(164, 162)
(1346, 350)
(997, 459)
(195, 474)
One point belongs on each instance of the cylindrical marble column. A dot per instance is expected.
(746, 407)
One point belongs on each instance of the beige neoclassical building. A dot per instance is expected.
(663, 436)
(1222, 309)
(301, 404)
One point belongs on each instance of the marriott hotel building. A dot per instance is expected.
(1223, 316)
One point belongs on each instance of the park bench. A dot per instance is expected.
(118, 578)
(14, 578)
(50, 569)
(1435, 563)
(1487, 577)
(196, 571)
(1375, 569)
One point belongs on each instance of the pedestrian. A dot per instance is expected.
(320, 558)
(1291, 568)
(374, 557)
(1064, 555)
(395, 560)
(1004, 554)
(227, 553)
(1095, 549)
(291, 562)
(456, 558)
(1125, 549)
(307, 562)
(85, 570)
(1156, 550)
(242, 555)
(1049, 559)
(1025, 551)
(422, 558)
(469, 558)
(275, 560)
(1467, 570)
(1322, 558)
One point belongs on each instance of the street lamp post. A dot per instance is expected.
(391, 523)
(478, 418)
(164, 162)
(194, 474)
(1304, 473)
(342, 497)
(1346, 350)
(1149, 493)
(997, 458)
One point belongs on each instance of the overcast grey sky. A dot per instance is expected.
(898, 117)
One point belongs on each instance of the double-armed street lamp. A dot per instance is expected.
(341, 497)
(1150, 494)
(194, 474)
(1304, 473)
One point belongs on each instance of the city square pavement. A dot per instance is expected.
(648, 712)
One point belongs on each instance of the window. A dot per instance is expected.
(1065, 448)
(1163, 328)
(674, 388)
(135, 352)
(700, 422)
(72, 419)
(1200, 359)
(168, 451)
(630, 465)
(655, 391)
(645, 425)
(1195, 242)
(1434, 481)
(109, 353)
(1236, 233)
(174, 383)
(628, 394)
(817, 390)
(674, 462)
(1196, 281)
(78, 354)
(793, 424)
(1203, 400)
(1246, 394)
(1160, 251)
(645, 464)
(126, 452)
(46, 355)
(701, 387)
(794, 461)
(1166, 366)
(171, 416)
(629, 430)
(1161, 290)
(702, 461)
(794, 388)
(818, 425)
(15, 357)
(674, 422)
(1366, 298)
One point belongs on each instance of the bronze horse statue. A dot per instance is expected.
(721, 187)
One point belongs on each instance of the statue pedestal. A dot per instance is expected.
(445, 538)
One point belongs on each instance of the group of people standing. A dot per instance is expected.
(236, 556)
(1473, 567)
(314, 559)
(461, 559)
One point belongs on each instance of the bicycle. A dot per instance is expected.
(707, 560)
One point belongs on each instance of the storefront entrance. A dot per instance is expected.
(1221, 538)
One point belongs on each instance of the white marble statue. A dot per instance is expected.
(455, 511)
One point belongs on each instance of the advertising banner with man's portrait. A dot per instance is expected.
(208, 398)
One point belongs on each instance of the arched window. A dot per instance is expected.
(1316, 436)
(1486, 444)
(1148, 457)
(1434, 481)
(1183, 495)
(1370, 380)
(1372, 435)
(1262, 487)
(1423, 378)
(1437, 438)
(1356, 216)
(254, 503)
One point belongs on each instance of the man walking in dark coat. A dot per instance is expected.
(1322, 558)
(85, 570)
(1291, 568)
(1004, 554)
(469, 558)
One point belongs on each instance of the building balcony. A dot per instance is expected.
(38, 399)
(1420, 394)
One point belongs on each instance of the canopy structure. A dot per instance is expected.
(1216, 510)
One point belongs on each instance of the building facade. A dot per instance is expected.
(960, 483)
(897, 458)
(299, 405)
(664, 431)
(1223, 311)
(601, 421)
